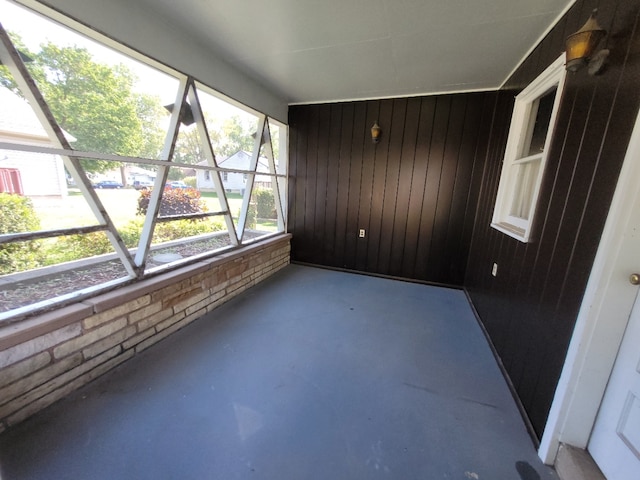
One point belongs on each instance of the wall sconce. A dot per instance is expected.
(187, 118)
(376, 133)
(581, 47)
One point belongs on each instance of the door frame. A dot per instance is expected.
(600, 324)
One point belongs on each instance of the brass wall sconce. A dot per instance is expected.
(581, 47)
(376, 133)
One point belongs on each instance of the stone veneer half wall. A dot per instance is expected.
(48, 356)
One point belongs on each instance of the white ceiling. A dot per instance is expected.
(309, 51)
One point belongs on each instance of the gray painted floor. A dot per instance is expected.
(314, 374)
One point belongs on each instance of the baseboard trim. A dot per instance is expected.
(505, 374)
(379, 275)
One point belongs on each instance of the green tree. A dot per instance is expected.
(150, 110)
(235, 135)
(17, 215)
(227, 137)
(189, 149)
(6, 79)
(94, 102)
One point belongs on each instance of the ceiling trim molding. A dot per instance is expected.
(391, 97)
(537, 42)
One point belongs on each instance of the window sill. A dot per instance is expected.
(114, 293)
(514, 232)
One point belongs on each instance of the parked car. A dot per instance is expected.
(140, 184)
(176, 184)
(108, 184)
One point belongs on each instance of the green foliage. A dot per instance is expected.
(236, 135)
(17, 215)
(150, 110)
(167, 231)
(265, 203)
(6, 79)
(76, 247)
(94, 102)
(175, 174)
(227, 138)
(130, 233)
(251, 216)
(189, 148)
(191, 181)
(175, 201)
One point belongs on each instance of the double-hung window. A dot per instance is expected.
(529, 138)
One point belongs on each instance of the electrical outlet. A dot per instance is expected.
(362, 233)
(494, 270)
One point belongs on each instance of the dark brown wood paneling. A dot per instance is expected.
(404, 190)
(425, 195)
(345, 140)
(410, 192)
(352, 207)
(391, 178)
(530, 308)
(418, 180)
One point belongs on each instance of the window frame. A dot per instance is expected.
(133, 259)
(524, 113)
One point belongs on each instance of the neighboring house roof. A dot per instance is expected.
(17, 118)
(240, 161)
(133, 170)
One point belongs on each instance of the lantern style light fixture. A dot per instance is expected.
(581, 47)
(376, 133)
(187, 118)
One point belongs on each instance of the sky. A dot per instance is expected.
(35, 30)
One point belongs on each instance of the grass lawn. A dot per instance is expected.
(121, 205)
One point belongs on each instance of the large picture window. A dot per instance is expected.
(114, 167)
(526, 153)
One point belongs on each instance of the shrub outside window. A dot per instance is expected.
(530, 135)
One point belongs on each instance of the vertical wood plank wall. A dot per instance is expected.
(530, 308)
(411, 193)
(425, 195)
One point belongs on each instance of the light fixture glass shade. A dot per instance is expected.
(376, 132)
(581, 45)
(187, 118)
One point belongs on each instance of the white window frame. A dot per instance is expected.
(524, 112)
(134, 259)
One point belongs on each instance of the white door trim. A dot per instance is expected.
(600, 324)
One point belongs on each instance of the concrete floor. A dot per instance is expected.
(314, 374)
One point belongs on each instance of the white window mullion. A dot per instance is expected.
(253, 165)
(10, 57)
(274, 178)
(530, 158)
(211, 160)
(163, 171)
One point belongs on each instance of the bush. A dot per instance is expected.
(175, 201)
(17, 215)
(130, 233)
(167, 231)
(177, 229)
(265, 203)
(76, 247)
(191, 181)
(251, 216)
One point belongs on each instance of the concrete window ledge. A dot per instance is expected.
(46, 357)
